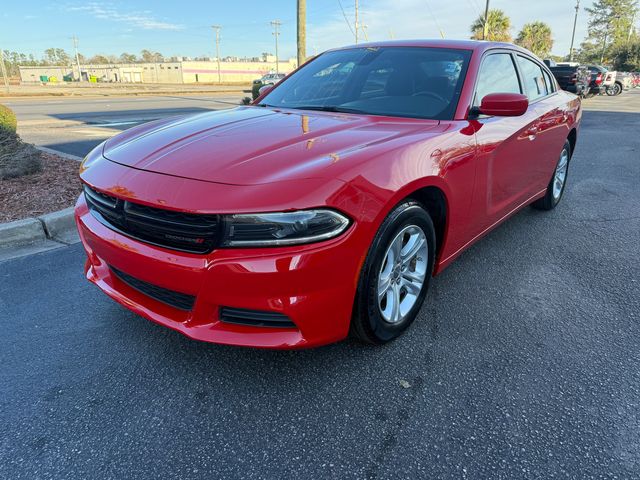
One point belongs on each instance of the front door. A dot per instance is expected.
(506, 146)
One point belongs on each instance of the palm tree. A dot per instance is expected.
(498, 27)
(536, 36)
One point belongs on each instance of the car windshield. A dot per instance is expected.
(416, 82)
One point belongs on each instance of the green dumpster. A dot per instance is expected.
(44, 78)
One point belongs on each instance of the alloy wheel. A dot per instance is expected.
(402, 274)
(560, 174)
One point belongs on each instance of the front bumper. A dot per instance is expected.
(313, 285)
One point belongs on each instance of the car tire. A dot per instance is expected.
(615, 89)
(395, 276)
(558, 182)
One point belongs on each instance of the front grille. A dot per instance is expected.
(255, 318)
(166, 228)
(174, 299)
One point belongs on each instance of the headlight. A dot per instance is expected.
(287, 228)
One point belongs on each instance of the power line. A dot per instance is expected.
(435, 20)
(345, 18)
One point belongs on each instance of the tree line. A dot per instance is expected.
(59, 56)
(611, 35)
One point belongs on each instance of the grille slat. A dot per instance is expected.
(255, 318)
(181, 301)
(166, 228)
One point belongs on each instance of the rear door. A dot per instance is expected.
(550, 129)
(506, 145)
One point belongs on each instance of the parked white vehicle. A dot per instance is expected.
(617, 82)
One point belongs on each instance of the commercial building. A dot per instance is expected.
(161, 72)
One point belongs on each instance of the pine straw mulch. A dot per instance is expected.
(56, 187)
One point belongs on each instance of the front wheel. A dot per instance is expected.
(395, 276)
(558, 182)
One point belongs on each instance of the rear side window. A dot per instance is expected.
(533, 78)
(497, 75)
(550, 85)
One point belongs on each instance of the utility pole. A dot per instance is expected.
(573, 34)
(485, 29)
(75, 47)
(356, 24)
(3, 68)
(276, 33)
(217, 30)
(631, 26)
(302, 31)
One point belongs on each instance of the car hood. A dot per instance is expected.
(254, 145)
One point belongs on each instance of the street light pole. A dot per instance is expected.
(217, 29)
(276, 33)
(573, 34)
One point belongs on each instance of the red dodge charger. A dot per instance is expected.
(326, 206)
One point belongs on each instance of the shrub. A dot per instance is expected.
(255, 90)
(7, 119)
(16, 157)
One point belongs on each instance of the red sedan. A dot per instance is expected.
(325, 207)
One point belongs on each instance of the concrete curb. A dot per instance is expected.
(21, 232)
(51, 151)
(58, 227)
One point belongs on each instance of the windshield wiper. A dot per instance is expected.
(329, 108)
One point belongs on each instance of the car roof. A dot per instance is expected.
(475, 45)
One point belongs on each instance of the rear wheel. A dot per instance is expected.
(558, 182)
(615, 89)
(395, 276)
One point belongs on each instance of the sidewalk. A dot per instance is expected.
(107, 89)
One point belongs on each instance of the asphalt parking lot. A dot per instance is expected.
(524, 363)
(74, 125)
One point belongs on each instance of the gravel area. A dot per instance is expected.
(56, 187)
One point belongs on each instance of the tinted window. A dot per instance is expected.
(396, 81)
(497, 75)
(533, 78)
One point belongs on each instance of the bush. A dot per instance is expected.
(255, 90)
(7, 119)
(16, 157)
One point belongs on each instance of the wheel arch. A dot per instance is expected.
(573, 138)
(435, 203)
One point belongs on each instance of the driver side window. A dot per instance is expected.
(497, 75)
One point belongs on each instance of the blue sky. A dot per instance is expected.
(183, 28)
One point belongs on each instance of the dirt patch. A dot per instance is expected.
(55, 187)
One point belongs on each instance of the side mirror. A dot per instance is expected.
(504, 105)
(264, 90)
